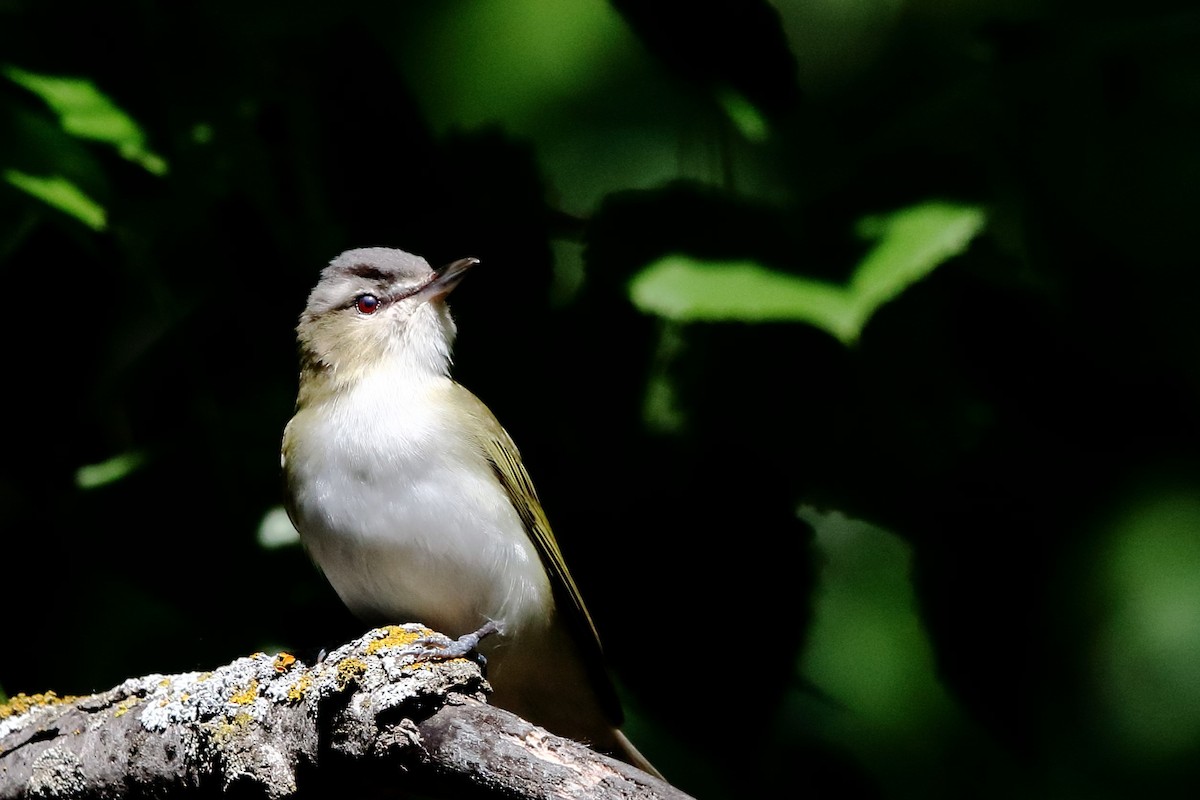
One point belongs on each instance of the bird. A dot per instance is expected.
(413, 501)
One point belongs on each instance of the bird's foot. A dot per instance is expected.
(444, 649)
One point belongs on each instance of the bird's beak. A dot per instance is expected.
(446, 278)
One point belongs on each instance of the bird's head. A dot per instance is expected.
(374, 307)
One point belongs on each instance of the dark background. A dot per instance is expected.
(1010, 605)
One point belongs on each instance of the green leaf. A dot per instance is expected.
(1147, 675)
(275, 530)
(525, 56)
(744, 114)
(60, 193)
(114, 469)
(85, 112)
(866, 647)
(691, 290)
(911, 243)
(571, 79)
(875, 694)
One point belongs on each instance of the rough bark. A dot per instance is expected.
(373, 719)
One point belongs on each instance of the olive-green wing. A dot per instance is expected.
(506, 463)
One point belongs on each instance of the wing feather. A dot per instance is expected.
(505, 459)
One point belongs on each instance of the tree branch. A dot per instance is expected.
(371, 718)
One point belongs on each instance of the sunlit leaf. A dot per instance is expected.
(114, 469)
(687, 289)
(60, 193)
(84, 111)
(911, 243)
(275, 530)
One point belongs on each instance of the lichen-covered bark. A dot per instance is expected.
(372, 712)
(253, 722)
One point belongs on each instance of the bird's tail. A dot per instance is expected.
(629, 754)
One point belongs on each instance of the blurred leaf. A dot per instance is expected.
(1148, 651)
(62, 194)
(872, 665)
(833, 41)
(571, 78)
(912, 242)
(736, 46)
(867, 649)
(691, 290)
(84, 111)
(110, 471)
(523, 57)
(275, 530)
(748, 119)
(661, 408)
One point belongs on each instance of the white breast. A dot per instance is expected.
(403, 513)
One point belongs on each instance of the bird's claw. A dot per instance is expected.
(443, 649)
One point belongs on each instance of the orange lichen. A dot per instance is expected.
(124, 706)
(284, 662)
(247, 695)
(397, 637)
(228, 730)
(20, 703)
(348, 671)
(297, 690)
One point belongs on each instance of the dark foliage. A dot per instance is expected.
(1026, 420)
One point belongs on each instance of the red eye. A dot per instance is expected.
(366, 303)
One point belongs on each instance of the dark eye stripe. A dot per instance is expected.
(367, 272)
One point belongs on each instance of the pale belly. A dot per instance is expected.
(408, 523)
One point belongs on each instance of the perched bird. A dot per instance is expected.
(413, 501)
